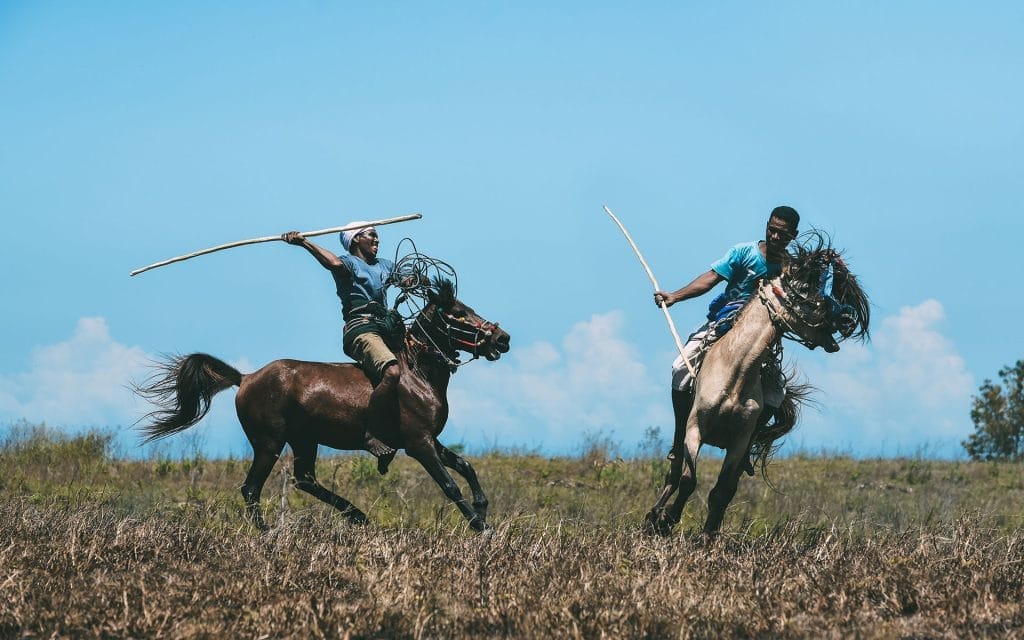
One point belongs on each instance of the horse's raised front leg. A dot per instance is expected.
(305, 479)
(426, 454)
(263, 460)
(454, 461)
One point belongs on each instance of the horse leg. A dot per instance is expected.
(672, 477)
(687, 483)
(454, 461)
(263, 460)
(426, 454)
(383, 410)
(305, 479)
(746, 464)
(682, 402)
(724, 490)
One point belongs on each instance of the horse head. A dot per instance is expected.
(819, 297)
(452, 326)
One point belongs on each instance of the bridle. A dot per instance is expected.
(794, 307)
(821, 315)
(461, 333)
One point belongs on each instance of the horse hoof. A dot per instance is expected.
(355, 516)
(649, 522)
(656, 525)
(479, 525)
(257, 521)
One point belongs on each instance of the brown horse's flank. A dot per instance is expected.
(306, 404)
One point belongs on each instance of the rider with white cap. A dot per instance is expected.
(362, 280)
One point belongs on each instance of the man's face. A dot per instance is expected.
(368, 242)
(777, 236)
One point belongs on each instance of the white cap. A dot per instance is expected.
(348, 236)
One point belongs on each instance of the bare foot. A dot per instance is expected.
(384, 461)
(379, 449)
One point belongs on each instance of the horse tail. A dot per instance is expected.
(182, 388)
(765, 444)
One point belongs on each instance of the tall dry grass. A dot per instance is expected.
(92, 546)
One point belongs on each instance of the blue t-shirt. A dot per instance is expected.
(741, 267)
(362, 283)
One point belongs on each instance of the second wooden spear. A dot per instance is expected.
(664, 307)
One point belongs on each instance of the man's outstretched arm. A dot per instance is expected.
(700, 285)
(323, 256)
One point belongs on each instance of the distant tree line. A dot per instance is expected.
(998, 415)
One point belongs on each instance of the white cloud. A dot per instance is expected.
(550, 396)
(80, 381)
(908, 388)
(84, 382)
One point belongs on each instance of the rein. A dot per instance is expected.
(795, 306)
(460, 333)
(780, 319)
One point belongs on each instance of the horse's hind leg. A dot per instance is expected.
(426, 454)
(263, 460)
(724, 490)
(464, 469)
(305, 479)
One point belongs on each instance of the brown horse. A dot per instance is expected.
(815, 298)
(306, 404)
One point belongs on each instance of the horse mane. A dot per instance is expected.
(445, 290)
(808, 256)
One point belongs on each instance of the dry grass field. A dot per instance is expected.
(95, 546)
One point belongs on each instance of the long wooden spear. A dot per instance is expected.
(306, 234)
(650, 274)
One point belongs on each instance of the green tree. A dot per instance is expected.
(998, 415)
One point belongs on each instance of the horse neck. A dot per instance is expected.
(743, 349)
(428, 367)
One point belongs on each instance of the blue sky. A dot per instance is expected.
(133, 132)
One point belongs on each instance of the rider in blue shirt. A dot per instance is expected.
(742, 267)
(371, 332)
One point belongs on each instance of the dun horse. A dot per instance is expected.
(815, 298)
(306, 404)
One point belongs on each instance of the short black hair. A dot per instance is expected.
(787, 215)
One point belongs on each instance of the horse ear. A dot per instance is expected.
(433, 297)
